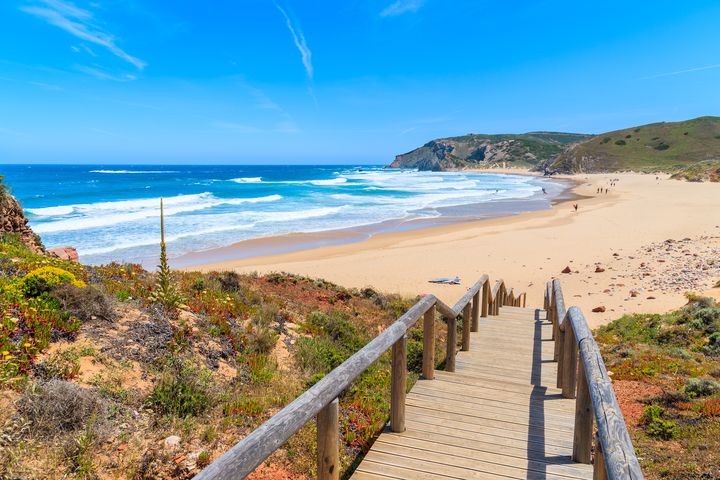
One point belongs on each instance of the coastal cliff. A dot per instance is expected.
(14, 221)
(479, 150)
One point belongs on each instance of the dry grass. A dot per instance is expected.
(58, 406)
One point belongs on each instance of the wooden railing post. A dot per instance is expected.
(569, 363)
(583, 435)
(398, 385)
(599, 471)
(428, 359)
(451, 343)
(328, 432)
(467, 325)
(476, 311)
(485, 299)
(560, 344)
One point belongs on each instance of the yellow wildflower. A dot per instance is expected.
(26, 344)
(5, 352)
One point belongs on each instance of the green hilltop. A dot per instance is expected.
(664, 146)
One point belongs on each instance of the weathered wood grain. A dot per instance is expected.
(328, 432)
(428, 360)
(398, 385)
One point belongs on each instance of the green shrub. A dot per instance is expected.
(229, 282)
(44, 279)
(661, 146)
(700, 387)
(712, 348)
(203, 459)
(182, 393)
(655, 425)
(414, 356)
(319, 354)
(662, 429)
(620, 142)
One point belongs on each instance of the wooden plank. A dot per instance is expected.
(402, 457)
(511, 402)
(519, 447)
(471, 458)
(492, 433)
(369, 465)
(496, 407)
(489, 406)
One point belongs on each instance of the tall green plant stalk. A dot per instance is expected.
(166, 293)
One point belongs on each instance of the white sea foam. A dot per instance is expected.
(332, 181)
(132, 172)
(103, 214)
(247, 180)
(51, 211)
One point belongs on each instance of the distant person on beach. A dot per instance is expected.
(544, 191)
(575, 206)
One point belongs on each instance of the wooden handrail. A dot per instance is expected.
(320, 400)
(582, 375)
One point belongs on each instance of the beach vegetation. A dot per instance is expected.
(166, 292)
(95, 369)
(183, 391)
(665, 370)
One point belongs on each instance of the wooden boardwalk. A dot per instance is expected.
(498, 415)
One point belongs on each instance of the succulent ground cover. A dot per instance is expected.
(666, 374)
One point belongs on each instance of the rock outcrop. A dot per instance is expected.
(13, 220)
(65, 253)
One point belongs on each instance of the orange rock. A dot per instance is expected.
(65, 253)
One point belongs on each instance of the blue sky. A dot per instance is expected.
(321, 81)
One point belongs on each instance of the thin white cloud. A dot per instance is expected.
(402, 6)
(79, 23)
(300, 43)
(680, 72)
(103, 75)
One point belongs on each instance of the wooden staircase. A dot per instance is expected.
(499, 415)
(522, 399)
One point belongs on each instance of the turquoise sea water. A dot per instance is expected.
(112, 212)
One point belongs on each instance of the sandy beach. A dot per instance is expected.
(637, 248)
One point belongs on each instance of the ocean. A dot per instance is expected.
(111, 213)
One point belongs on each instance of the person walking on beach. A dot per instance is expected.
(575, 206)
